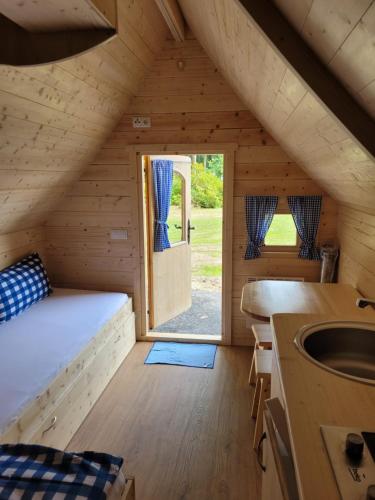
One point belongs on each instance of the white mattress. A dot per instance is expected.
(38, 344)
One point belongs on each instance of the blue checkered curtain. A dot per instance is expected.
(259, 212)
(306, 215)
(162, 173)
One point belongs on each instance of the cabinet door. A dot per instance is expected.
(279, 480)
(271, 489)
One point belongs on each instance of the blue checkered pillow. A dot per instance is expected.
(21, 285)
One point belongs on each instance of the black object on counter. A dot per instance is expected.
(354, 446)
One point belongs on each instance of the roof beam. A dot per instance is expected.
(173, 17)
(317, 77)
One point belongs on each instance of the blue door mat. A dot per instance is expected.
(175, 353)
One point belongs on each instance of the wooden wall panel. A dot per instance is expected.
(356, 231)
(54, 118)
(15, 246)
(79, 248)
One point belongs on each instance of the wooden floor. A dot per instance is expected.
(185, 433)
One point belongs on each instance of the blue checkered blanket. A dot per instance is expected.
(37, 472)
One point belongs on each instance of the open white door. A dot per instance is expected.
(170, 270)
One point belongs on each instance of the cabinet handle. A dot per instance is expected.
(52, 424)
(259, 449)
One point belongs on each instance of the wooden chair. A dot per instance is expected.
(263, 340)
(262, 368)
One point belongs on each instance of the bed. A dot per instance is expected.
(56, 359)
(71, 340)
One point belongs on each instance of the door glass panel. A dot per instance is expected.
(175, 219)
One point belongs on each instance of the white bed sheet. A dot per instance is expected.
(38, 344)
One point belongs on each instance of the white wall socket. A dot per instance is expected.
(119, 234)
(141, 122)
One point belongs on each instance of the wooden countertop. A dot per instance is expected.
(315, 397)
(262, 299)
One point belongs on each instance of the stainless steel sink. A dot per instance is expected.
(344, 348)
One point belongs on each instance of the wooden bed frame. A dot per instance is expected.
(53, 417)
(129, 491)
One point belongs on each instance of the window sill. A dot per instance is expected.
(285, 254)
(278, 249)
(278, 253)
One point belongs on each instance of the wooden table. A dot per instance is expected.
(262, 299)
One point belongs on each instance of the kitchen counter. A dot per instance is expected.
(313, 397)
(262, 299)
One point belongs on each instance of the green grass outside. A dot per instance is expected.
(206, 239)
(282, 231)
(208, 270)
(174, 219)
(207, 223)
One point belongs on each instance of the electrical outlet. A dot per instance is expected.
(119, 234)
(141, 122)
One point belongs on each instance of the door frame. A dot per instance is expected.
(140, 292)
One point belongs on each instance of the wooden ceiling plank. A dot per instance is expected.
(107, 8)
(38, 91)
(54, 118)
(354, 61)
(142, 27)
(51, 15)
(366, 97)
(329, 24)
(341, 32)
(24, 109)
(173, 17)
(299, 121)
(322, 83)
(296, 11)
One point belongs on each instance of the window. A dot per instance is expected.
(175, 219)
(282, 231)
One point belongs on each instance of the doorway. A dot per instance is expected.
(185, 279)
(186, 292)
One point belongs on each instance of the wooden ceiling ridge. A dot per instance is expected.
(318, 78)
(173, 16)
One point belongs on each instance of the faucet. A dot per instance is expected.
(361, 303)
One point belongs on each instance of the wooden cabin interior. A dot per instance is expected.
(103, 103)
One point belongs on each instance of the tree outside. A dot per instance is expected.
(206, 184)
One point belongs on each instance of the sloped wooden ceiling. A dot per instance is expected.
(282, 101)
(342, 33)
(54, 118)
